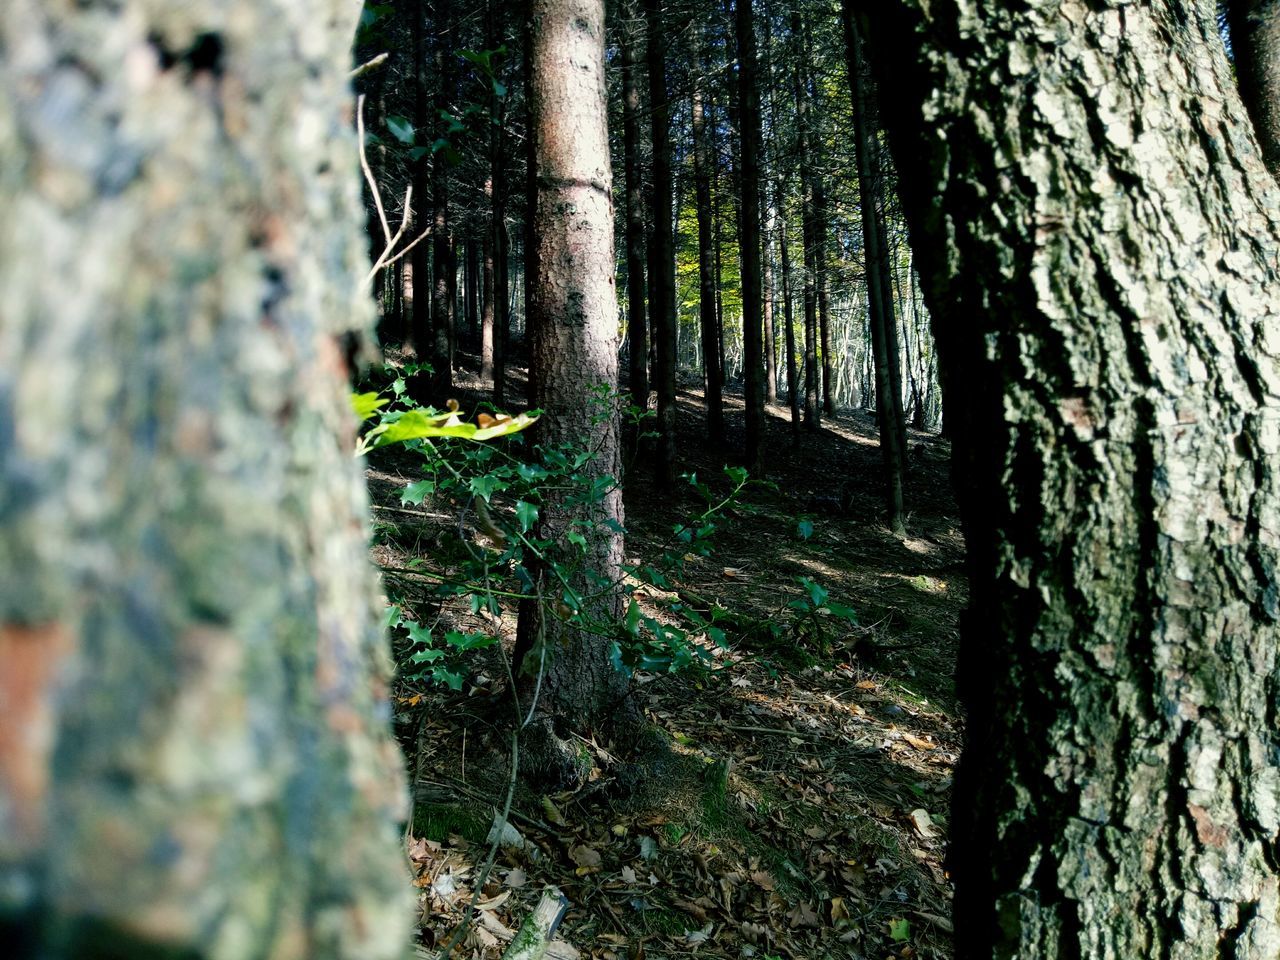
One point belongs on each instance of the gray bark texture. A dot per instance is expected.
(573, 311)
(1099, 239)
(195, 756)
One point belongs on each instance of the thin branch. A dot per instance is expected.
(368, 173)
(368, 66)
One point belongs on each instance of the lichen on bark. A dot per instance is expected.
(183, 521)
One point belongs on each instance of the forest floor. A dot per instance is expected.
(807, 817)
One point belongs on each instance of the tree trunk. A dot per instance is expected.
(1114, 318)
(637, 329)
(662, 264)
(749, 234)
(824, 305)
(1255, 41)
(573, 318)
(419, 293)
(770, 334)
(788, 321)
(442, 276)
(471, 285)
(879, 297)
(194, 752)
(702, 161)
(487, 284)
(812, 417)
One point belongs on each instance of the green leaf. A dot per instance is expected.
(417, 424)
(469, 641)
(843, 612)
(737, 474)
(414, 493)
(817, 593)
(486, 485)
(448, 677)
(526, 515)
(367, 404)
(804, 529)
(426, 656)
(393, 617)
(401, 128)
(899, 930)
(418, 633)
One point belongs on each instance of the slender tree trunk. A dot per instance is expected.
(194, 752)
(471, 285)
(496, 235)
(442, 286)
(812, 417)
(702, 161)
(573, 314)
(749, 235)
(824, 306)
(882, 326)
(487, 299)
(1116, 452)
(419, 290)
(788, 320)
(662, 264)
(886, 267)
(630, 38)
(770, 336)
(1255, 40)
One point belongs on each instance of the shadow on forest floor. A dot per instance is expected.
(805, 813)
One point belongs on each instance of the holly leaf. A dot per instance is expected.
(526, 515)
(401, 128)
(804, 529)
(899, 930)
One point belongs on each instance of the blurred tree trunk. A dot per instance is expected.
(1114, 319)
(573, 317)
(195, 757)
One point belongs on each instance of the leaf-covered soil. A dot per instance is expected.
(803, 810)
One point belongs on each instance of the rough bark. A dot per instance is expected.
(662, 262)
(1097, 236)
(195, 757)
(1255, 41)
(879, 298)
(824, 300)
(630, 38)
(702, 163)
(749, 233)
(574, 350)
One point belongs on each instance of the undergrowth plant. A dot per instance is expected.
(485, 480)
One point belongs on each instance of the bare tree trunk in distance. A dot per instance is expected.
(788, 320)
(442, 277)
(1255, 41)
(662, 263)
(882, 325)
(702, 161)
(193, 697)
(812, 416)
(749, 234)
(573, 318)
(629, 38)
(1114, 319)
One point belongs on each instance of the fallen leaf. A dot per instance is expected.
(699, 936)
(923, 823)
(628, 875)
(838, 910)
(762, 880)
(918, 743)
(553, 813)
(865, 685)
(802, 915)
(648, 847)
(899, 929)
(515, 878)
(584, 856)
